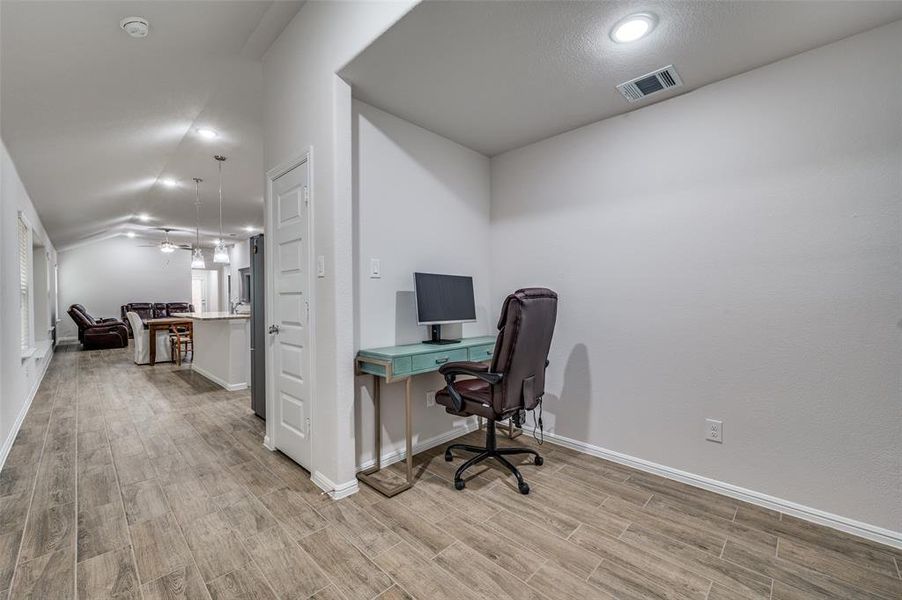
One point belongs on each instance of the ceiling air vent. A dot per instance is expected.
(652, 83)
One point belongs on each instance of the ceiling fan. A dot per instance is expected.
(167, 245)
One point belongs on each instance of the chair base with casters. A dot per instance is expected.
(491, 450)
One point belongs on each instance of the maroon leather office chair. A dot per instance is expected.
(514, 380)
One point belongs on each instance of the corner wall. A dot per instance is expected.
(421, 204)
(732, 253)
(307, 105)
(19, 377)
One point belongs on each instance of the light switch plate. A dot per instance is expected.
(320, 266)
(375, 268)
(430, 398)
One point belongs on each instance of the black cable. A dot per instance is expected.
(537, 426)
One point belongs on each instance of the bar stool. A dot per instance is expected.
(181, 341)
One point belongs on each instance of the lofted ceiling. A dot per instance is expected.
(95, 120)
(494, 76)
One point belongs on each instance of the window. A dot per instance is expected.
(24, 291)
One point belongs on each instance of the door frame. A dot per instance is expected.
(269, 441)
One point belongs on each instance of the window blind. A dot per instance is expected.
(24, 301)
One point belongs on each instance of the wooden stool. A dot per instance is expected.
(181, 340)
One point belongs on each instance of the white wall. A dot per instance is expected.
(421, 204)
(239, 258)
(106, 274)
(306, 105)
(732, 253)
(19, 378)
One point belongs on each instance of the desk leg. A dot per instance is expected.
(152, 334)
(370, 476)
(408, 430)
(377, 407)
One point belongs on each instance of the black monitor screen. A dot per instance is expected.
(444, 298)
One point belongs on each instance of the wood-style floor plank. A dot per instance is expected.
(110, 575)
(356, 576)
(184, 583)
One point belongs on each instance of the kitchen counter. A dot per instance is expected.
(212, 316)
(222, 347)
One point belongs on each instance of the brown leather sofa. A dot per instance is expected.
(98, 334)
(152, 310)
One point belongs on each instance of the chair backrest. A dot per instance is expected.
(82, 319)
(521, 350)
(179, 307)
(137, 328)
(159, 310)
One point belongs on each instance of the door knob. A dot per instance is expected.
(274, 329)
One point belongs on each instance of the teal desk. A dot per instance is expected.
(400, 363)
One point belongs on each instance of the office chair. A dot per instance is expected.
(513, 381)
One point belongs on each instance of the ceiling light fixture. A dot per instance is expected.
(144, 217)
(633, 27)
(166, 246)
(207, 133)
(136, 27)
(169, 182)
(250, 228)
(220, 254)
(130, 234)
(197, 261)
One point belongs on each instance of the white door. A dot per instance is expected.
(199, 293)
(288, 320)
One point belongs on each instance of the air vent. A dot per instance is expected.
(652, 83)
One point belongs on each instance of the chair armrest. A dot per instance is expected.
(478, 370)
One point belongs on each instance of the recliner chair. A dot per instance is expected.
(98, 334)
(514, 380)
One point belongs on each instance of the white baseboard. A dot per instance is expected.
(65, 340)
(400, 454)
(232, 387)
(336, 491)
(814, 515)
(20, 418)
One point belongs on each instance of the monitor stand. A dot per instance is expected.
(436, 331)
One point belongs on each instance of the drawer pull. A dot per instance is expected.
(439, 361)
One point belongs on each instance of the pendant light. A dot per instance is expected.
(197, 261)
(220, 255)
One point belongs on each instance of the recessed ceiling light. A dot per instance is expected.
(250, 228)
(207, 133)
(144, 217)
(633, 27)
(130, 234)
(169, 182)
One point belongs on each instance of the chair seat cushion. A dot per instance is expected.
(477, 396)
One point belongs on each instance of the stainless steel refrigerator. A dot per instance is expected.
(258, 327)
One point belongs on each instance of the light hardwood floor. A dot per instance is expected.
(130, 482)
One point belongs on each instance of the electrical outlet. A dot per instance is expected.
(714, 430)
(375, 268)
(430, 398)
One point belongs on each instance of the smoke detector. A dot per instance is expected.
(650, 83)
(136, 27)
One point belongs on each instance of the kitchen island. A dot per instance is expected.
(221, 347)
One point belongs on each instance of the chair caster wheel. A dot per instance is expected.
(448, 457)
(524, 488)
(460, 484)
(539, 461)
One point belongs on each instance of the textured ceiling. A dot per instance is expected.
(498, 75)
(94, 119)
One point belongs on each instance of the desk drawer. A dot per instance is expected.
(433, 360)
(482, 353)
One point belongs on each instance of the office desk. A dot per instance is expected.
(401, 363)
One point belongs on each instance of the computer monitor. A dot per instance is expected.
(443, 299)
